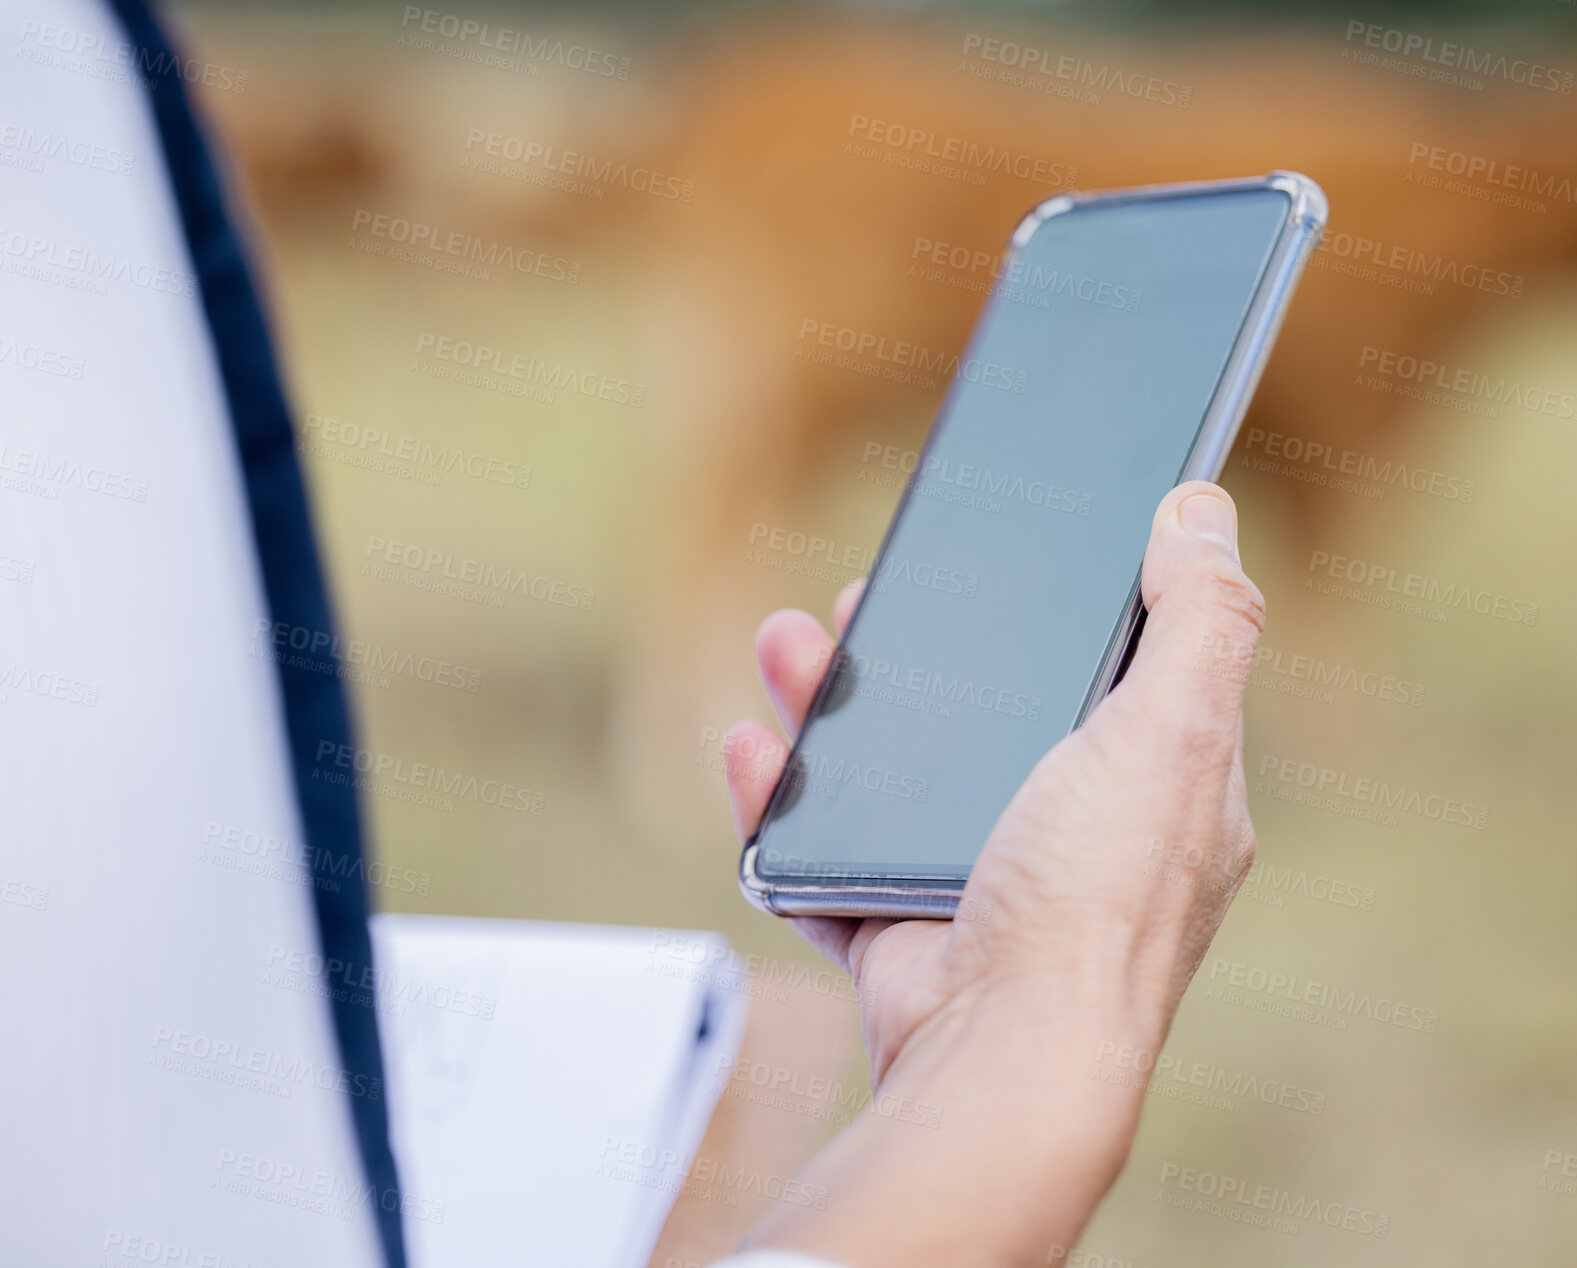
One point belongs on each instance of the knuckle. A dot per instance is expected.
(1236, 602)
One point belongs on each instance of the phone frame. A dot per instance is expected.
(1300, 233)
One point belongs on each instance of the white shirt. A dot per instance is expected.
(168, 1094)
(159, 1086)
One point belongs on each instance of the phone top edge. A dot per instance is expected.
(1309, 204)
(1300, 232)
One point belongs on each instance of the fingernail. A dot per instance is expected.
(1211, 519)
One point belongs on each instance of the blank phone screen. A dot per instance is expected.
(1015, 552)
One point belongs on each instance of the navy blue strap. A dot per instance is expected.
(315, 710)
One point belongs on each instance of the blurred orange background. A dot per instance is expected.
(670, 215)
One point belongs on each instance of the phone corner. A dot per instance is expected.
(1310, 207)
(757, 892)
(1038, 215)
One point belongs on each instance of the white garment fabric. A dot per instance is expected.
(167, 1094)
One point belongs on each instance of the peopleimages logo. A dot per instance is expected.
(810, 546)
(1375, 792)
(1285, 671)
(969, 485)
(1475, 167)
(117, 61)
(85, 268)
(1160, 1072)
(402, 454)
(1290, 988)
(1267, 883)
(903, 354)
(675, 954)
(36, 147)
(814, 1096)
(827, 775)
(1447, 595)
(925, 690)
(384, 983)
(965, 483)
(1409, 268)
(1446, 58)
(52, 686)
(28, 471)
(21, 894)
(286, 1183)
(1320, 459)
(425, 776)
(697, 1176)
(1560, 1172)
(322, 651)
(122, 1246)
(950, 156)
(1425, 374)
(418, 236)
(220, 1057)
(1263, 1204)
(489, 41)
(480, 359)
(1076, 78)
(1016, 280)
(443, 572)
(601, 171)
(281, 858)
(42, 360)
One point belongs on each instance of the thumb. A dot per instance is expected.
(1204, 620)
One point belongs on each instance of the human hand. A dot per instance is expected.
(1097, 893)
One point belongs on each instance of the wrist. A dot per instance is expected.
(990, 1140)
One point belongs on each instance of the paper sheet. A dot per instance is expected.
(548, 1084)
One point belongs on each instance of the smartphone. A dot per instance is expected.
(1114, 359)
